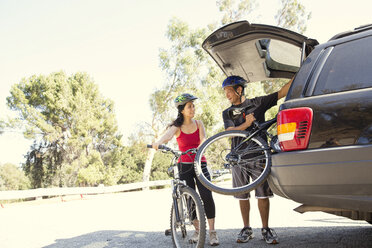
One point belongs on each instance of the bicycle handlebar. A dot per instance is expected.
(165, 148)
(161, 147)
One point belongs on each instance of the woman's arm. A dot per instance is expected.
(166, 137)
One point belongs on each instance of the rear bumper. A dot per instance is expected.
(339, 177)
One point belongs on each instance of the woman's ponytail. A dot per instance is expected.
(179, 120)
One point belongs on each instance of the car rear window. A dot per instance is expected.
(348, 67)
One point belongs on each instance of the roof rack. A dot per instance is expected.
(356, 30)
(363, 27)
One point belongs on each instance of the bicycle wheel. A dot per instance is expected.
(238, 165)
(190, 208)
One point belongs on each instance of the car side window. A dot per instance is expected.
(348, 67)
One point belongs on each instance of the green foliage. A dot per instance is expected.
(73, 127)
(160, 166)
(2, 125)
(13, 178)
(93, 171)
(292, 16)
(235, 10)
(133, 162)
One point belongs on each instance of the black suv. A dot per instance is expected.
(325, 122)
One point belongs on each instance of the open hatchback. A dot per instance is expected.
(258, 52)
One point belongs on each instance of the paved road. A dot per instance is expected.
(138, 219)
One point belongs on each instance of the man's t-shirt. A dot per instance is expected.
(259, 105)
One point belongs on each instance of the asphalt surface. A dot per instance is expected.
(138, 219)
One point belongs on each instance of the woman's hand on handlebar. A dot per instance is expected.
(155, 145)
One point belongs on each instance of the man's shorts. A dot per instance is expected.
(239, 179)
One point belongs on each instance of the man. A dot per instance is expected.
(234, 92)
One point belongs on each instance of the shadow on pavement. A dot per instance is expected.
(296, 237)
(111, 239)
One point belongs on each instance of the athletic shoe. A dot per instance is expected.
(245, 235)
(213, 238)
(269, 235)
(195, 237)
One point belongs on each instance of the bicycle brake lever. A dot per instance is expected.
(170, 171)
(194, 150)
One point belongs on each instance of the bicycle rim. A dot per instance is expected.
(190, 208)
(238, 166)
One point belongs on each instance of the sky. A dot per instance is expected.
(117, 43)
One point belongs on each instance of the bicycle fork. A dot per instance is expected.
(175, 196)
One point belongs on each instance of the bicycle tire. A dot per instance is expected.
(224, 160)
(183, 231)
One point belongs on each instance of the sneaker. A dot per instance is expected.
(194, 238)
(213, 238)
(245, 235)
(269, 235)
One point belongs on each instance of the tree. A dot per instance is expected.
(160, 165)
(12, 178)
(292, 16)
(73, 127)
(233, 11)
(2, 125)
(181, 64)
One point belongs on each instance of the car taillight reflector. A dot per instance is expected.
(294, 128)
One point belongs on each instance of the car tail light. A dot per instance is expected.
(294, 128)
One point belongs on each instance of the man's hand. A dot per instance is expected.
(249, 119)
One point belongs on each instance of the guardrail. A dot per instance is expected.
(38, 193)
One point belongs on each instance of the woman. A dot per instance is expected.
(190, 133)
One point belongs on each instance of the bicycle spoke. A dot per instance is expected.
(187, 208)
(232, 157)
(190, 210)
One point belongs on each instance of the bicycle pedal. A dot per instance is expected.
(167, 232)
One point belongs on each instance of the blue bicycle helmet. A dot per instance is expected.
(234, 81)
(183, 99)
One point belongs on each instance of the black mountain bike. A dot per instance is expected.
(230, 153)
(186, 207)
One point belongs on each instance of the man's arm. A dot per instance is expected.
(248, 122)
(284, 90)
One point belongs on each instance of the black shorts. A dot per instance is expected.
(239, 179)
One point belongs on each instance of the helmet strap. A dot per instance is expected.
(241, 94)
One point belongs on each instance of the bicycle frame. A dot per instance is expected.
(176, 182)
(258, 128)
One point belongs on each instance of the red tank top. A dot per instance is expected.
(188, 141)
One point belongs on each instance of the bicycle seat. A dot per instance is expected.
(236, 112)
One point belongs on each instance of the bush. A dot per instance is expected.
(13, 178)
